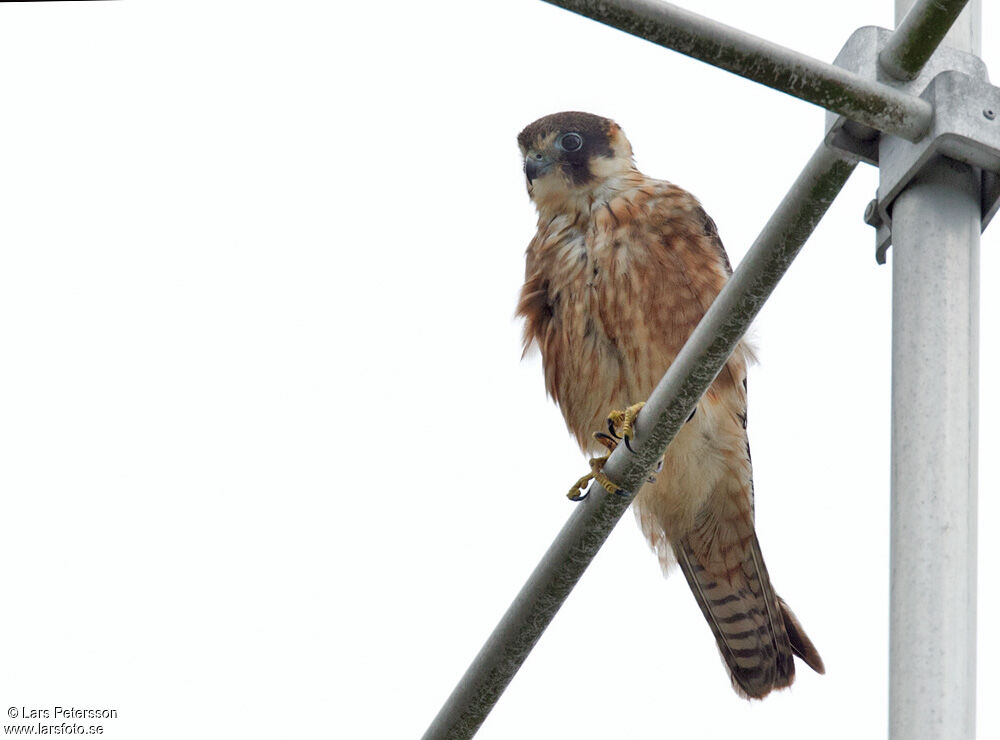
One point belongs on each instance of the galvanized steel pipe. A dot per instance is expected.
(917, 35)
(866, 101)
(936, 224)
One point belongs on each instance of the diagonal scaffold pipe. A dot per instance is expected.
(860, 99)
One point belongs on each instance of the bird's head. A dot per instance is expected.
(568, 156)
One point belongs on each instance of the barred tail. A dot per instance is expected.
(756, 632)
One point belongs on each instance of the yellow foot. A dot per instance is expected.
(618, 421)
(624, 421)
(596, 473)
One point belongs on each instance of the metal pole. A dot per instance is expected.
(918, 35)
(935, 323)
(671, 403)
(863, 100)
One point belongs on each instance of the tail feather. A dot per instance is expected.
(756, 632)
(801, 644)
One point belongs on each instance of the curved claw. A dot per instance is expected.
(596, 473)
(574, 494)
(611, 428)
(626, 420)
(610, 442)
(608, 484)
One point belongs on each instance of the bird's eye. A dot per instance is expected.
(570, 142)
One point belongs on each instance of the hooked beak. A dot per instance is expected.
(536, 164)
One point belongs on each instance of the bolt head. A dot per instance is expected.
(871, 216)
(989, 113)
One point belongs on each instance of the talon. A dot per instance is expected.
(578, 491)
(624, 420)
(605, 440)
(629, 417)
(609, 486)
(596, 473)
(611, 427)
(597, 468)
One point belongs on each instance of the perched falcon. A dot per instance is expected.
(618, 275)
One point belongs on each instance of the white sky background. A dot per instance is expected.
(271, 463)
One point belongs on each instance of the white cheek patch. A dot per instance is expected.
(548, 185)
(604, 167)
(552, 192)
